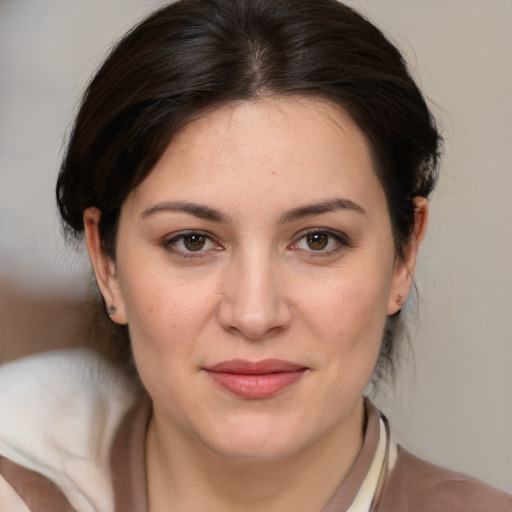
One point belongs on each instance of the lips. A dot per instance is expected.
(254, 380)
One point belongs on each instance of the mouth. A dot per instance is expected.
(255, 380)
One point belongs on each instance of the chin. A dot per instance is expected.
(256, 439)
(253, 450)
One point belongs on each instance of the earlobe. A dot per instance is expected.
(104, 267)
(404, 271)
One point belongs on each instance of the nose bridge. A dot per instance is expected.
(254, 301)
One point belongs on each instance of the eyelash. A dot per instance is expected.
(340, 239)
(169, 244)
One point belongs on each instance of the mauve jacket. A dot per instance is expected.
(412, 485)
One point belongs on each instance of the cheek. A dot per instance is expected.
(346, 307)
(165, 314)
(165, 323)
(347, 319)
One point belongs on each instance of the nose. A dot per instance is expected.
(254, 304)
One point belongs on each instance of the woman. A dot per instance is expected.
(252, 179)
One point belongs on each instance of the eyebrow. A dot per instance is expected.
(321, 207)
(197, 210)
(211, 214)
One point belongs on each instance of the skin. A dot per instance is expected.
(271, 278)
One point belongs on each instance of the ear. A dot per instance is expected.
(104, 267)
(404, 271)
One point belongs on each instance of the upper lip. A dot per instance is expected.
(265, 366)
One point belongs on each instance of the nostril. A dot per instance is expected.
(254, 323)
(253, 303)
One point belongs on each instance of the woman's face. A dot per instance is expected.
(255, 269)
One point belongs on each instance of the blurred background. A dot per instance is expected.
(452, 403)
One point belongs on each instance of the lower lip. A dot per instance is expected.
(258, 385)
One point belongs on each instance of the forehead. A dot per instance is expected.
(306, 147)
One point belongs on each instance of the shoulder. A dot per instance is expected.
(414, 484)
(60, 411)
(23, 490)
(9, 498)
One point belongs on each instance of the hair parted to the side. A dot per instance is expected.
(195, 55)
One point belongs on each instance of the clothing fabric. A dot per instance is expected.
(59, 412)
(75, 397)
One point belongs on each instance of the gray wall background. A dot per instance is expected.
(452, 403)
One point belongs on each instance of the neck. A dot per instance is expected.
(191, 477)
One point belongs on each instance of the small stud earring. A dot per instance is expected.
(112, 310)
(400, 300)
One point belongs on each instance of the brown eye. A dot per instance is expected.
(194, 242)
(317, 241)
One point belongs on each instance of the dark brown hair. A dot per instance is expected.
(195, 55)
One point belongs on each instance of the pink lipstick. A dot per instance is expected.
(261, 379)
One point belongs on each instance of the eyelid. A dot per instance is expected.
(341, 239)
(169, 240)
